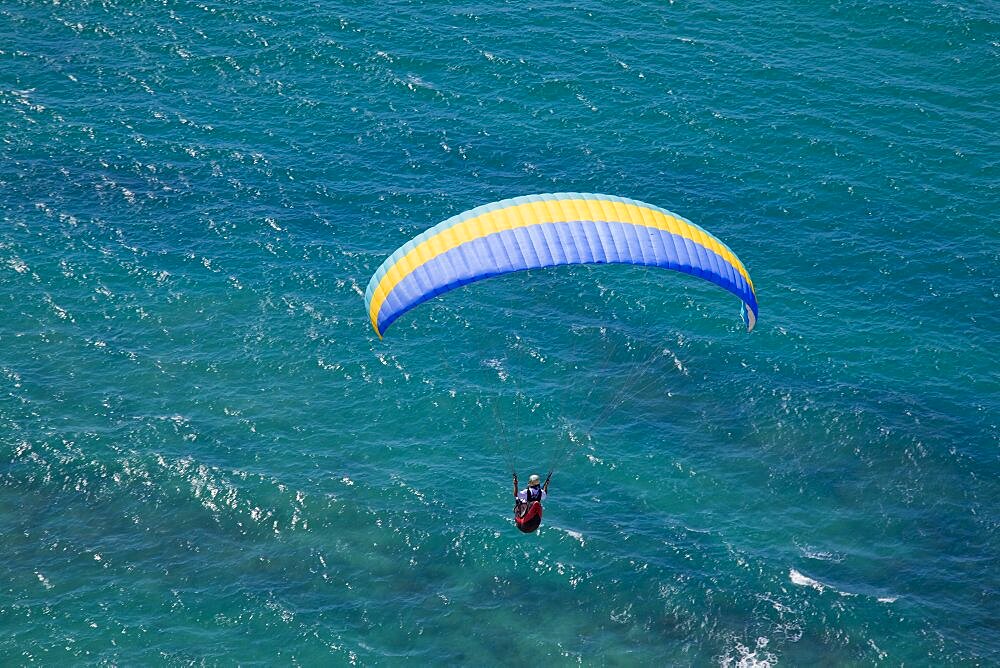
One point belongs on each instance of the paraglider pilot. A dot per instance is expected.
(528, 505)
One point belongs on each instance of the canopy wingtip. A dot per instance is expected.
(749, 317)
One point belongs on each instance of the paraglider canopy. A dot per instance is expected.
(544, 231)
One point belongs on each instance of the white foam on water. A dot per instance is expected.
(17, 265)
(820, 555)
(741, 656)
(806, 581)
(44, 580)
(497, 366)
(576, 535)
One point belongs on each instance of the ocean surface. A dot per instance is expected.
(208, 457)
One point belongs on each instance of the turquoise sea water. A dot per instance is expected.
(207, 456)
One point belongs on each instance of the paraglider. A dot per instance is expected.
(528, 503)
(548, 230)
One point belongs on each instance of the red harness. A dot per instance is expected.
(528, 514)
